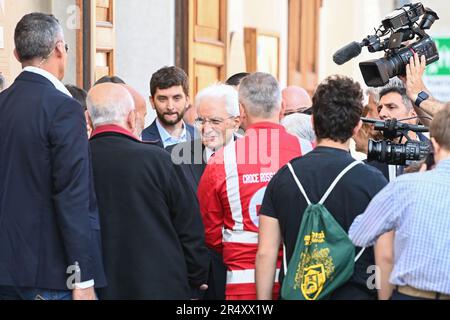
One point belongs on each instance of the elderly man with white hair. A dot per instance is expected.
(218, 122)
(152, 233)
(300, 125)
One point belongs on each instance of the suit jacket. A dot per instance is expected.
(48, 212)
(152, 232)
(151, 134)
(190, 156)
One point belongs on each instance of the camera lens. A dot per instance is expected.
(397, 154)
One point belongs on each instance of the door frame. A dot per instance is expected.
(83, 41)
(184, 34)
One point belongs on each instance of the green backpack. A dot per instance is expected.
(324, 255)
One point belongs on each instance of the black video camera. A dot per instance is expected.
(393, 37)
(387, 151)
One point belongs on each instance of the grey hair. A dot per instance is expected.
(397, 86)
(112, 109)
(221, 91)
(300, 125)
(36, 36)
(374, 92)
(260, 95)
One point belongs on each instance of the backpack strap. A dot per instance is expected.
(302, 190)
(322, 201)
(285, 266)
(360, 254)
(336, 181)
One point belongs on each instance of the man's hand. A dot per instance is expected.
(414, 77)
(84, 294)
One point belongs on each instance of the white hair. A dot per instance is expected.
(221, 91)
(374, 92)
(300, 125)
(112, 109)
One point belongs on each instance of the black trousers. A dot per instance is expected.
(217, 278)
(353, 291)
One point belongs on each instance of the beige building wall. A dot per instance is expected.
(345, 21)
(13, 10)
(441, 28)
(68, 15)
(145, 42)
(266, 15)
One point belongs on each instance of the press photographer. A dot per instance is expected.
(405, 142)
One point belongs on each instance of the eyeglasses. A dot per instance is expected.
(213, 122)
(66, 46)
(299, 110)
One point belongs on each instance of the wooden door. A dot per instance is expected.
(95, 41)
(207, 45)
(102, 38)
(304, 43)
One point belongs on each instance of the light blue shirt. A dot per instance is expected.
(167, 139)
(417, 207)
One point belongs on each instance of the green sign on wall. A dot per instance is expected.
(442, 67)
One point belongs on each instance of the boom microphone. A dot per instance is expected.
(347, 53)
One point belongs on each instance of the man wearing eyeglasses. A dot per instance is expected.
(395, 103)
(49, 231)
(218, 122)
(295, 100)
(234, 182)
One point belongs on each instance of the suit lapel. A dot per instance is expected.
(151, 134)
(197, 169)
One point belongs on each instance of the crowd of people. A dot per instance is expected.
(93, 205)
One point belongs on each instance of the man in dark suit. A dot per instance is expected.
(49, 227)
(169, 89)
(153, 236)
(218, 122)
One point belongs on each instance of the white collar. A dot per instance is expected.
(50, 77)
(211, 152)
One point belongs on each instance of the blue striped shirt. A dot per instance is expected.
(417, 208)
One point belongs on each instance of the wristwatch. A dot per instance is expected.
(421, 98)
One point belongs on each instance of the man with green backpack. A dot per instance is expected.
(311, 203)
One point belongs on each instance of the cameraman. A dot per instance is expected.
(418, 92)
(415, 206)
(395, 103)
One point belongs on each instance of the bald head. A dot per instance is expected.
(110, 103)
(140, 107)
(296, 99)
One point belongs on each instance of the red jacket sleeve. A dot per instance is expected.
(211, 208)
